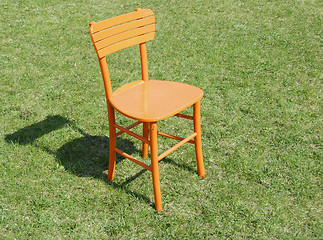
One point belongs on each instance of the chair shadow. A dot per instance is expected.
(86, 156)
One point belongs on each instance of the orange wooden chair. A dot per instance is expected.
(147, 101)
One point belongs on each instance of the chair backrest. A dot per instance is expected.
(120, 32)
(123, 31)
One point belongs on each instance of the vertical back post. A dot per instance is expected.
(145, 77)
(144, 62)
(106, 78)
(143, 59)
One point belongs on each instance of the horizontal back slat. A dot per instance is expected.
(124, 44)
(122, 28)
(125, 35)
(121, 19)
(120, 32)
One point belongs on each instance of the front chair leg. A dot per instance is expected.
(198, 141)
(154, 165)
(112, 143)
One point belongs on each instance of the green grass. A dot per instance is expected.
(260, 66)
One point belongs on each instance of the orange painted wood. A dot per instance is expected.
(145, 135)
(169, 151)
(155, 100)
(106, 78)
(112, 143)
(126, 87)
(184, 116)
(126, 155)
(121, 19)
(198, 141)
(128, 128)
(131, 133)
(146, 101)
(154, 166)
(173, 137)
(124, 36)
(124, 44)
(144, 62)
(122, 28)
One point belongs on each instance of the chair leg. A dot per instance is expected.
(154, 165)
(198, 141)
(145, 129)
(112, 143)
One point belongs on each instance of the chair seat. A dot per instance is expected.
(154, 100)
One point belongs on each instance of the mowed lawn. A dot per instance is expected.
(259, 64)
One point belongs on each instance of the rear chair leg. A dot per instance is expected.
(145, 128)
(112, 143)
(198, 141)
(154, 165)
